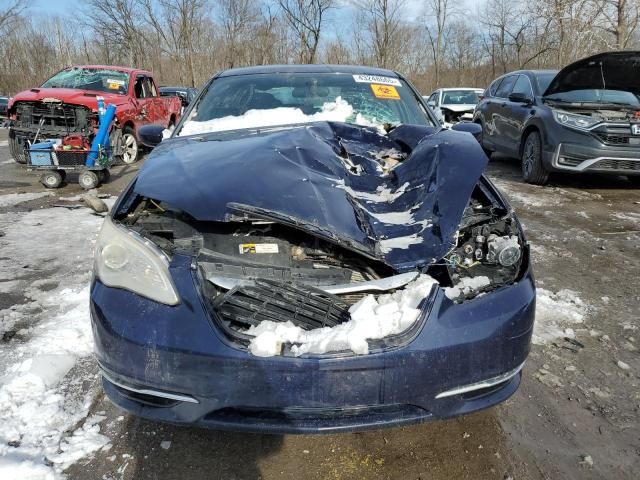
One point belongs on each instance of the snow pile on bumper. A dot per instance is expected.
(372, 318)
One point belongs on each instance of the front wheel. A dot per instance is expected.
(634, 180)
(16, 147)
(130, 149)
(88, 179)
(52, 178)
(533, 170)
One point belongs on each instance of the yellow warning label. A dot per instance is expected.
(258, 248)
(114, 86)
(385, 91)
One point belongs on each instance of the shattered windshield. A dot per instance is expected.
(460, 97)
(261, 100)
(102, 80)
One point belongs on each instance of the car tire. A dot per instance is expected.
(532, 169)
(88, 179)
(634, 180)
(104, 176)
(16, 149)
(130, 147)
(52, 179)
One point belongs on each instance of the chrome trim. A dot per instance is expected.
(489, 382)
(585, 164)
(148, 391)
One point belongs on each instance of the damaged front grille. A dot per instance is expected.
(60, 118)
(304, 306)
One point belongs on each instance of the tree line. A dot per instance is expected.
(436, 43)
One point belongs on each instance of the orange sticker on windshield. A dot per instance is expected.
(385, 91)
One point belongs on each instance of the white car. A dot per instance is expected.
(455, 104)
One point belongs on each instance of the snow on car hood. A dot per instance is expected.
(613, 71)
(327, 178)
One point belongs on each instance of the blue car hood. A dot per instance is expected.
(326, 178)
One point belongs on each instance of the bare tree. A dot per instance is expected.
(10, 13)
(306, 17)
(383, 25)
(439, 12)
(621, 20)
(238, 17)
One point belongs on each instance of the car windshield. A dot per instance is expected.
(99, 79)
(262, 100)
(460, 97)
(596, 96)
(544, 80)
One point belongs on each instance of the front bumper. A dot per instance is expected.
(579, 158)
(147, 351)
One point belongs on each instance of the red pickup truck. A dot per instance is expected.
(66, 105)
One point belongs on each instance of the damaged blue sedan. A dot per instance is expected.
(308, 251)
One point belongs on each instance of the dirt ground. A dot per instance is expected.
(575, 416)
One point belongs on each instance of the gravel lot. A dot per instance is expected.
(575, 415)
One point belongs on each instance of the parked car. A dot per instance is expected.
(185, 94)
(66, 105)
(3, 106)
(455, 104)
(585, 118)
(311, 252)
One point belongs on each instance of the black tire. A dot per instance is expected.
(533, 170)
(88, 179)
(104, 175)
(16, 148)
(130, 146)
(51, 179)
(634, 180)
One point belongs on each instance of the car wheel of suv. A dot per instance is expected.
(130, 147)
(16, 148)
(634, 180)
(532, 169)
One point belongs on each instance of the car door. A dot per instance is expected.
(486, 111)
(501, 115)
(144, 99)
(160, 111)
(518, 113)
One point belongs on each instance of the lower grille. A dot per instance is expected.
(612, 164)
(304, 306)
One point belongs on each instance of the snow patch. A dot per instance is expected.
(47, 256)
(338, 111)
(12, 199)
(381, 195)
(372, 318)
(554, 311)
(466, 286)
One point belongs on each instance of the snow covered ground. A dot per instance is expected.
(48, 379)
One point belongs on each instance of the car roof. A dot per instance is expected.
(350, 69)
(448, 89)
(533, 72)
(112, 67)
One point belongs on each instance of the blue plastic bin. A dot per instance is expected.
(43, 157)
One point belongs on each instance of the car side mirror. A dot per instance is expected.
(520, 98)
(431, 103)
(474, 129)
(150, 135)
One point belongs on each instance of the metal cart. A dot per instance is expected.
(54, 165)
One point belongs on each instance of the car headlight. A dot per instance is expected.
(571, 120)
(126, 260)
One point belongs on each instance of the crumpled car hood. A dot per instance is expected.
(74, 96)
(325, 178)
(612, 70)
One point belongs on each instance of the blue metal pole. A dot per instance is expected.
(102, 136)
